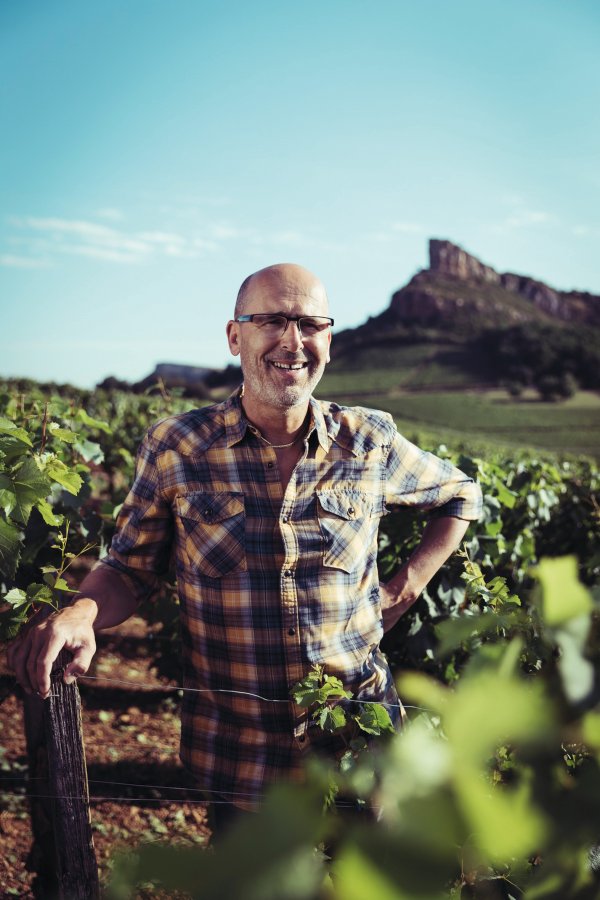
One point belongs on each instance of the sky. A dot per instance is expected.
(155, 152)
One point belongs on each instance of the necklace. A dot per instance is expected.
(276, 446)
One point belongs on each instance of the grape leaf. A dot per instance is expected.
(332, 719)
(374, 718)
(70, 480)
(47, 514)
(8, 499)
(8, 427)
(93, 423)
(30, 485)
(63, 434)
(10, 545)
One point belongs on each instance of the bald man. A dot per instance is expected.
(269, 503)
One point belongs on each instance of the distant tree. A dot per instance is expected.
(556, 387)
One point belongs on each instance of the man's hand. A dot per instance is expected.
(105, 599)
(395, 601)
(440, 539)
(33, 652)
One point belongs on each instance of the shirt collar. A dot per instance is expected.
(236, 423)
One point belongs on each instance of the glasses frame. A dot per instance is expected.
(297, 319)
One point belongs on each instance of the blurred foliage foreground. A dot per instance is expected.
(492, 788)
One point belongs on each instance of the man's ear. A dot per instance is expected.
(328, 352)
(233, 337)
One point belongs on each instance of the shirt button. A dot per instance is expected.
(208, 512)
(285, 520)
(288, 573)
(291, 631)
(350, 510)
(270, 465)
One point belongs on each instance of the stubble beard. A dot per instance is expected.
(281, 397)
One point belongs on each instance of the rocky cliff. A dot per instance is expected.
(459, 288)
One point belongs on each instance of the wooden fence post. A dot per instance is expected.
(77, 870)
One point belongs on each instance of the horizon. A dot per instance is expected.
(157, 156)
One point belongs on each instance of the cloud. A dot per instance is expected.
(22, 262)
(78, 237)
(52, 237)
(525, 218)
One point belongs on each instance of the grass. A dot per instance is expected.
(480, 421)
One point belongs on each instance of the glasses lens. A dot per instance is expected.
(311, 325)
(271, 325)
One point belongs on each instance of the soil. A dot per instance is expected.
(139, 791)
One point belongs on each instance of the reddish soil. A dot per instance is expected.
(138, 788)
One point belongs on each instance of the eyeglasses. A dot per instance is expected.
(275, 325)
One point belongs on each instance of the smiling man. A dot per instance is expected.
(269, 505)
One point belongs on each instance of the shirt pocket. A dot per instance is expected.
(347, 526)
(213, 528)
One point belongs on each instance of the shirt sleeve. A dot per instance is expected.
(141, 547)
(421, 480)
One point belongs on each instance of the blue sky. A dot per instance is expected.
(154, 152)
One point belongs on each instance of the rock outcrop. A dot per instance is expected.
(459, 287)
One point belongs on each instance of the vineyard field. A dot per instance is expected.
(491, 791)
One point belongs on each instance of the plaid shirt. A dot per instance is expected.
(272, 583)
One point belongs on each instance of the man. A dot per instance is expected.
(269, 505)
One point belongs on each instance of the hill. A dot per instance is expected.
(460, 323)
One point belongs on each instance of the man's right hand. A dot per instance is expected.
(33, 652)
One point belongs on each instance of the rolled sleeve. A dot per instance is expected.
(141, 547)
(421, 480)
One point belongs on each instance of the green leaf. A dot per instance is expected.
(576, 672)
(9, 428)
(305, 697)
(16, 597)
(93, 423)
(11, 449)
(10, 545)
(71, 481)
(62, 434)
(8, 498)
(40, 593)
(374, 719)
(506, 497)
(49, 517)
(61, 585)
(332, 719)
(90, 451)
(30, 485)
(11, 622)
(564, 597)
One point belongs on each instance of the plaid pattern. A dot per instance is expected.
(271, 584)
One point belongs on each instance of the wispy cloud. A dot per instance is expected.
(526, 218)
(11, 260)
(40, 240)
(51, 236)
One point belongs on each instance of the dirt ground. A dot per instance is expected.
(139, 790)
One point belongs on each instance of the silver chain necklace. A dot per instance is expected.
(276, 446)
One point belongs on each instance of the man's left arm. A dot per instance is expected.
(441, 537)
(418, 479)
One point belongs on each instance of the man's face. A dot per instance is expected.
(265, 360)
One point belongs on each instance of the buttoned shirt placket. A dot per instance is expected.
(292, 637)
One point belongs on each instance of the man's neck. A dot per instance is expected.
(276, 425)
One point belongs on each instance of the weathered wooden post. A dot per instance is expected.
(57, 754)
(67, 778)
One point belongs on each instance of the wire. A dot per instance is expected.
(82, 799)
(171, 688)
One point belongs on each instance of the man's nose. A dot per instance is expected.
(292, 337)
